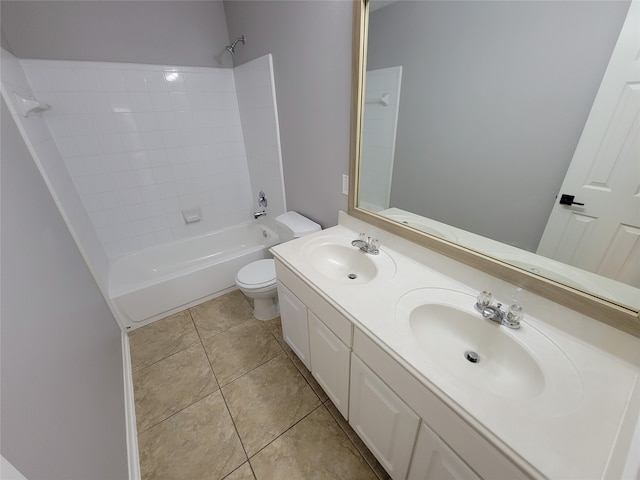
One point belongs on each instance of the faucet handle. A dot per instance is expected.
(515, 313)
(514, 316)
(484, 298)
(374, 246)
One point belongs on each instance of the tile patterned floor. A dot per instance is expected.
(220, 395)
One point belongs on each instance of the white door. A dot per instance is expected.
(603, 235)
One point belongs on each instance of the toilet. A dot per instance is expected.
(258, 279)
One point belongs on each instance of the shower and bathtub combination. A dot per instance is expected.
(156, 170)
(158, 281)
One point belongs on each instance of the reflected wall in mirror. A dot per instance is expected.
(474, 112)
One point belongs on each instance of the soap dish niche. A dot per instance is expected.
(192, 215)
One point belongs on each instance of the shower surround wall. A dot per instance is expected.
(43, 148)
(256, 91)
(107, 222)
(144, 142)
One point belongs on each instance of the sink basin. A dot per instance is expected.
(343, 263)
(473, 352)
(336, 259)
(497, 361)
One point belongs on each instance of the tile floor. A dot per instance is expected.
(219, 395)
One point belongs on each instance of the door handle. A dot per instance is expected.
(568, 200)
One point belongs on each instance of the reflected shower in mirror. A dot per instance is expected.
(485, 105)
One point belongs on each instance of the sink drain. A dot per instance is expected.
(352, 276)
(471, 356)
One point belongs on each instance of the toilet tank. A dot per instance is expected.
(292, 225)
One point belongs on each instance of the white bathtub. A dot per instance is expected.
(153, 283)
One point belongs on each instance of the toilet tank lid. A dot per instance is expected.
(297, 224)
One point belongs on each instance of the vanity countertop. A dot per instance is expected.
(581, 423)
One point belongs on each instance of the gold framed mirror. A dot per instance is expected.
(621, 316)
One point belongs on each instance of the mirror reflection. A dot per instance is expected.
(478, 117)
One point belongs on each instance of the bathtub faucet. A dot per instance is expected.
(259, 214)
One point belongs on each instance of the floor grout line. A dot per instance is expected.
(288, 428)
(322, 401)
(177, 412)
(164, 358)
(248, 371)
(235, 427)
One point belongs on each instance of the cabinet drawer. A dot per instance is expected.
(330, 316)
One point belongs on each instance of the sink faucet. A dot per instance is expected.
(367, 244)
(259, 214)
(510, 318)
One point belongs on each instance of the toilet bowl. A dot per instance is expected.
(257, 280)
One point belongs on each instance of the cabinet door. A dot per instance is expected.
(381, 419)
(434, 460)
(330, 359)
(295, 327)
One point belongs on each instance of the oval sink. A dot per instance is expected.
(343, 263)
(471, 351)
(501, 364)
(336, 259)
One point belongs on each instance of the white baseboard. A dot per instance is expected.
(130, 411)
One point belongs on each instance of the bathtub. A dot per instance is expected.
(159, 281)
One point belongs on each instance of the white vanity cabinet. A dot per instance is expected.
(330, 359)
(365, 325)
(382, 420)
(412, 433)
(434, 460)
(295, 326)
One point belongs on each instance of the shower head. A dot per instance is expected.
(232, 48)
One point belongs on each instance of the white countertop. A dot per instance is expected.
(580, 428)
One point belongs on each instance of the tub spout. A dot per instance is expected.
(259, 214)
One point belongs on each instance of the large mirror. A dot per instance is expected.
(472, 115)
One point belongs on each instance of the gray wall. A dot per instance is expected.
(169, 32)
(62, 398)
(494, 98)
(311, 46)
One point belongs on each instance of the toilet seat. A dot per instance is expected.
(257, 275)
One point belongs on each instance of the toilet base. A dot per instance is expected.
(266, 308)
